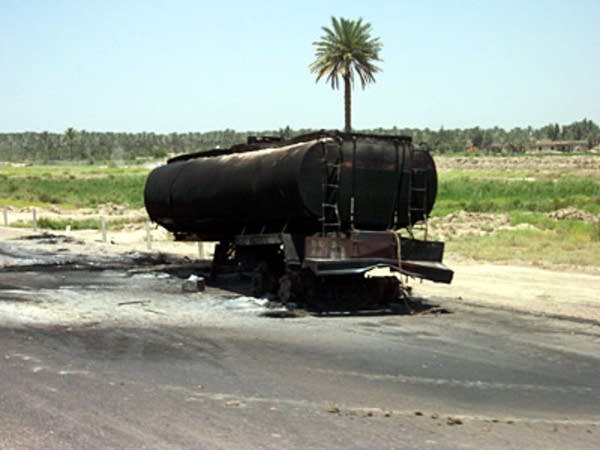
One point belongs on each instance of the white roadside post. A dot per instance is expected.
(103, 228)
(34, 219)
(148, 237)
(5, 214)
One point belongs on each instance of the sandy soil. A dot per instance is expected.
(135, 235)
(567, 293)
(536, 164)
(532, 289)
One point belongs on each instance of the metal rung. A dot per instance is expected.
(322, 220)
(330, 216)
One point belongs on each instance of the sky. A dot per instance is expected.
(181, 66)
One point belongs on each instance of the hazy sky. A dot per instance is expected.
(197, 66)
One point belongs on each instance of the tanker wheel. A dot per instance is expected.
(285, 289)
(383, 290)
(351, 292)
(264, 281)
(290, 288)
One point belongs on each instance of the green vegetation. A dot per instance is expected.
(54, 224)
(92, 148)
(71, 187)
(557, 246)
(76, 224)
(476, 194)
(525, 201)
(68, 171)
(346, 49)
(526, 198)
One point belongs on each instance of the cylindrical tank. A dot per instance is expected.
(283, 186)
(223, 195)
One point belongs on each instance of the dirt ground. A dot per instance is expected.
(522, 288)
(536, 164)
(564, 293)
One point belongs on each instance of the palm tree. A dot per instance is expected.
(45, 139)
(344, 49)
(70, 135)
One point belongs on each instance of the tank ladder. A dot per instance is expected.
(330, 214)
(417, 206)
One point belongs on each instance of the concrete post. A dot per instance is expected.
(34, 219)
(5, 214)
(103, 228)
(148, 237)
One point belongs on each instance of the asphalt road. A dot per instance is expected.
(94, 358)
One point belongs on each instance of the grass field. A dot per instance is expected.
(476, 193)
(71, 187)
(525, 196)
(540, 247)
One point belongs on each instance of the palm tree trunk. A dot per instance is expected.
(347, 105)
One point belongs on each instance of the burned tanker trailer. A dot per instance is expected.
(310, 217)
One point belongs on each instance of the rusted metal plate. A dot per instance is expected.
(363, 251)
(360, 244)
(258, 239)
(414, 249)
(428, 270)
(358, 253)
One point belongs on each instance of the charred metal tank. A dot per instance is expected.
(307, 217)
(275, 186)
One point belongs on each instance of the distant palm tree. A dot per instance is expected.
(45, 139)
(70, 135)
(346, 48)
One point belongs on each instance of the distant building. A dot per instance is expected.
(560, 146)
(495, 148)
(470, 147)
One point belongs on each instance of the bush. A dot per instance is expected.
(61, 224)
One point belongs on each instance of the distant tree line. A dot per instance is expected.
(92, 147)
(494, 140)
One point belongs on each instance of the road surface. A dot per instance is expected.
(108, 352)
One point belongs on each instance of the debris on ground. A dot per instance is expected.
(573, 214)
(194, 283)
(453, 421)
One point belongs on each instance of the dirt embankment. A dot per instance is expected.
(464, 223)
(577, 165)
